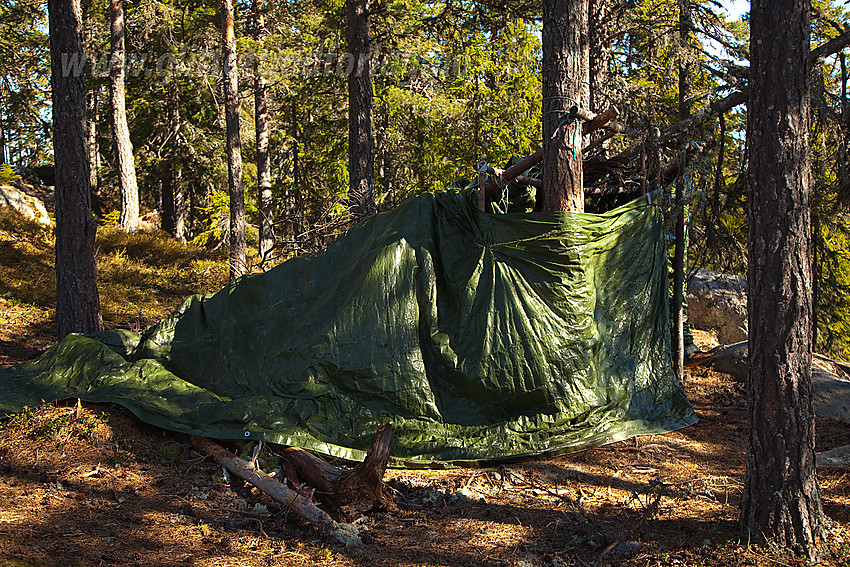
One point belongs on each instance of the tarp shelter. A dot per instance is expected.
(480, 337)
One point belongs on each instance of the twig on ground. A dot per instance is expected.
(772, 560)
(575, 505)
(648, 512)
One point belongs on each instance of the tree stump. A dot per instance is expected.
(348, 492)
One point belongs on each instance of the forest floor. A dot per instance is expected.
(92, 485)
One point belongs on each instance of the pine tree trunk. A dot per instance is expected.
(294, 220)
(91, 140)
(261, 126)
(781, 501)
(92, 115)
(234, 143)
(77, 301)
(2, 134)
(565, 84)
(173, 214)
(361, 186)
(121, 133)
(685, 24)
(599, 53)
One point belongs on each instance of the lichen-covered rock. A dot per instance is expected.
(27, 205)
(718, 301)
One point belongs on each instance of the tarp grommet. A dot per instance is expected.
(247, 434)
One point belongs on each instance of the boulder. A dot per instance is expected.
(836, 458)
(27, 205)
(830, 378)
(718, 302)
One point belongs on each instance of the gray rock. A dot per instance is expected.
(718, 302)
(830, 378)
(830, 393)
(836, 458)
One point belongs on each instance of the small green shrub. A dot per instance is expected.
(8, 174)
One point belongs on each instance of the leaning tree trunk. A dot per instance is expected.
(261, 124)
(361, 185)
(781, 501)
(234, 143)
(77, 301)
(565, 84)
(120, 131)
(91, 141)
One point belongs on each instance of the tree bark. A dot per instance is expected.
(261, 124)
(350, 492)
(173, 209)
(565, 84)
(77, 301)
(599, 53)
(685, 24)
(361, 185)
(91, 140)
(92, 115)
(781, 500)
(2, 134)
(121, 133)
(234, 143)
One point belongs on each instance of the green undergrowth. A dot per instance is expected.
(61, 424)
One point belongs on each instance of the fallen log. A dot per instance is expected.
(279, 492)
(349, 492)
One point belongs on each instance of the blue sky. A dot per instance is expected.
(736, 7)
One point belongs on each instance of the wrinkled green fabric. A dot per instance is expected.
(479, 337)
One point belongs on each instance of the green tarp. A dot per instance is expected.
(479, 337)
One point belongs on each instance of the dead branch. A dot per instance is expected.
(277, 491)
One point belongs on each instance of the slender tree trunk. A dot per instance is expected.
(92, 117)
(565, 83)
(121, 133)
(2, 134)
(234, 143)
(294, 218)
(781, 500)
(685, 25)
(77, 301)
(173, 213)
(599, 52)
(261, 126)
(361, 186)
